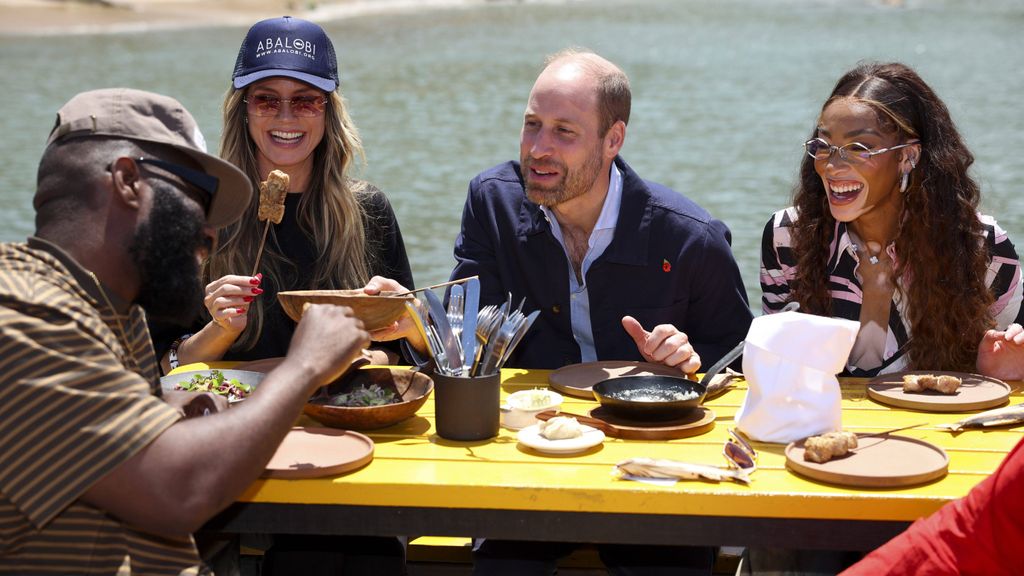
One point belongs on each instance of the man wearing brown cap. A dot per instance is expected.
(98, 473)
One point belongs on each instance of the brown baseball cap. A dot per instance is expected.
(149, 117)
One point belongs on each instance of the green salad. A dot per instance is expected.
(372, 395)
(216, 382)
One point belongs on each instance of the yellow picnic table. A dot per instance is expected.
(419, 483)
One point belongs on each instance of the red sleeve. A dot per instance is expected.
(981, 533)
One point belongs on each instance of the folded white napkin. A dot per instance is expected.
(790, 361)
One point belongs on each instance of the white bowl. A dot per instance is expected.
(521, 408)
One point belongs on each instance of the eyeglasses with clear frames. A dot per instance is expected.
(739, 453)
(852, 153)
(302, 106)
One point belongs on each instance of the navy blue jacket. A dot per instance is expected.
(669, 263)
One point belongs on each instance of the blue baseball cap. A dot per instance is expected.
(289, 47)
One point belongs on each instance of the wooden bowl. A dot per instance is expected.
(414, 388)
(376, 312)
(653, 397)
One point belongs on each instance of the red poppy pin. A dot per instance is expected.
(666, 266)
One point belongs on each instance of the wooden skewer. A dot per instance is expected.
(259, 253)
(459, 281)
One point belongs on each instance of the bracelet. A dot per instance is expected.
(172, 355)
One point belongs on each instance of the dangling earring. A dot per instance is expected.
(906, 176)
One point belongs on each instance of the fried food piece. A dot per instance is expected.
(922, 382)
(272, 194)
(947, 384)
(823, 448)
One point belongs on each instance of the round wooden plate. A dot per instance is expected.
(308, 452)
(695, 423)
(578, 379)
(975, 393)
(885, 461)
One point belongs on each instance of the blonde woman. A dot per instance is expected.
(285, 112)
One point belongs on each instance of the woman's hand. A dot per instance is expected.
(228, 299)
(404, 327)
(1001, 353)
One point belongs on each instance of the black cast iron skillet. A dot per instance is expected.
(650, 397)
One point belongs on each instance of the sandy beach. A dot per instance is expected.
(47, 17)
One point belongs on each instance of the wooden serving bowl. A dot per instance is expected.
(414, 388)
(376, 312)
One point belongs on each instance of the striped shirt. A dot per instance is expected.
(78, 397)
(778, 269)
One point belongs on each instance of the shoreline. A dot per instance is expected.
(20, 18)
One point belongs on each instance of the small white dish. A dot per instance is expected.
(521, 408)
(531, 437)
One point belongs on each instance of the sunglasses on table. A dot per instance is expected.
(267, 105)
(739, 453)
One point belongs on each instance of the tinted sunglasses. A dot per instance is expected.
(739, 452)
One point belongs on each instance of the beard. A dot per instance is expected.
(573, 183)
(164, 252)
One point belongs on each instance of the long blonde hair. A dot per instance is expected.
(329, 212)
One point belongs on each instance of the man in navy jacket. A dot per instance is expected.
(620, 268)
(603, 254)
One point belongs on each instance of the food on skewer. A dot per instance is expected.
(823, 448)
(272, 194)
(921, 382)
(273, 191)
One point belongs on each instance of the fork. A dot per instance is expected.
(456, 302)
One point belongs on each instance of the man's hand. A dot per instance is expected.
(1001, 353)
(327, 340)
(192, 404)
(663, 345)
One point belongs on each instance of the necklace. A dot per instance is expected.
(872, 254)
(122, 335)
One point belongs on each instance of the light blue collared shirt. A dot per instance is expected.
(600, 238)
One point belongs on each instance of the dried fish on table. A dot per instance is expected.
(998, 417)
(651, 468)
(827, 446)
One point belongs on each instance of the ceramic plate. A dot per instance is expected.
(975, 393)
(578, 379)
(309, 452)
(530, 436)
(885, 461)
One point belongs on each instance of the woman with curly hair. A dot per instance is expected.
(285, 112)
(885, 230)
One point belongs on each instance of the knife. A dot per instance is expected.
(725, 361)
(439, 318)
(469, 318)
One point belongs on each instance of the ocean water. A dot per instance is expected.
(724, 94)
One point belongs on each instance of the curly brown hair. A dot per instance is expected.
(942, 258)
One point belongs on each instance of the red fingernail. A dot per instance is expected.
(257, 290)
(254, 281)
(247, 298)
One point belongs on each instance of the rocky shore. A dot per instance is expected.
(50, 17)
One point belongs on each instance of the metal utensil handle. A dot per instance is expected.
(459, 281)
(725, 361)
(470, 312)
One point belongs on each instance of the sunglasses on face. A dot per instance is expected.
(739, 453)
(205, 183)
(852, 153)
(267, 105)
